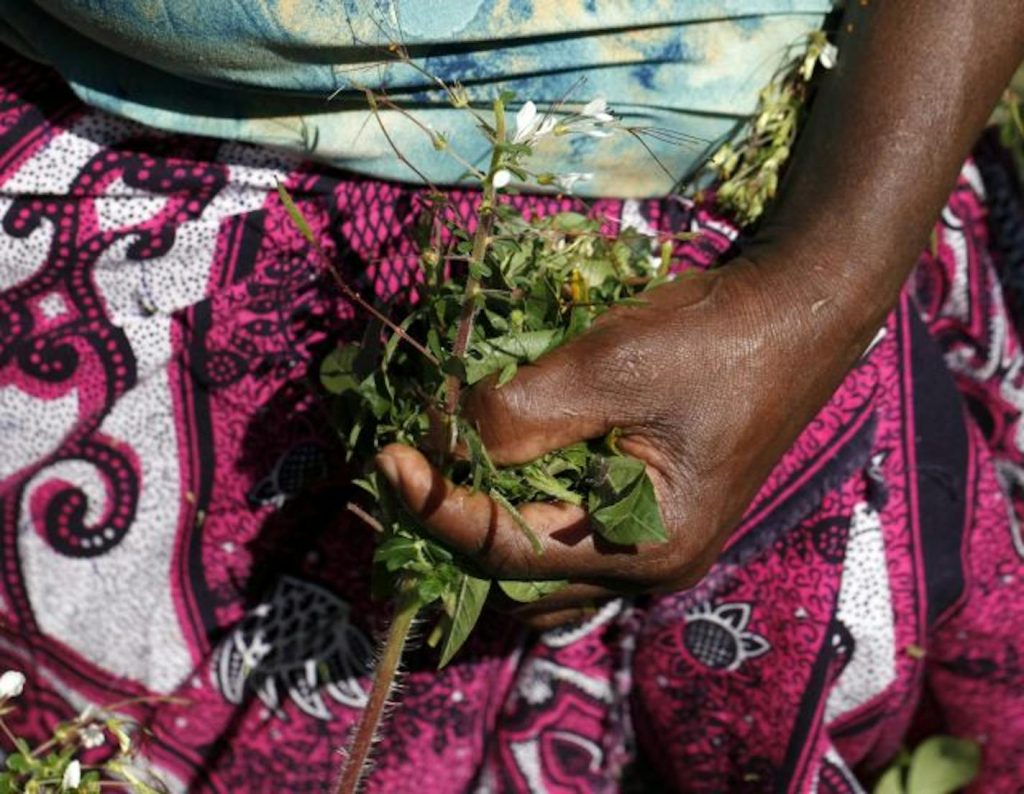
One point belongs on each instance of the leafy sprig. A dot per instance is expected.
(57, 764)
(490, 302)
(939, 765)
(487, 302)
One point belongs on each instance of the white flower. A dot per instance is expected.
(531, 126)
(92, 736)
(72, 777)
(11, 684)
(501, 178)
(597, 109)
(588, 121)
(827, 56)
(567, 181)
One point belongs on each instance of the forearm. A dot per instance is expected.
(889, 130)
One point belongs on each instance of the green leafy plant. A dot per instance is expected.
(487, 302)
(939, 765)
(56, 764)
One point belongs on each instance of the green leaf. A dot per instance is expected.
(429, 589)
(296, 214)
(471, 593)
(521, 522)
(493, 355)
(399, 551)
(507, 373)
(571, 222)
(479, 270)
(890, 783)
(480, 461)
(550, 485)
(395, 338)
(337, 370)
(527, 592)
(18, 762)
(622, 505)
(943, 764)
(6, 783)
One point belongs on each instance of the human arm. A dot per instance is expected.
(712, 379)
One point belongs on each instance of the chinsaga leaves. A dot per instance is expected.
(621, 502)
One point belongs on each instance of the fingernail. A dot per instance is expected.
(387, 466)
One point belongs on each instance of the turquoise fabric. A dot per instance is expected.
(287, 73)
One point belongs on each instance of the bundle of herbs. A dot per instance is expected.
(486, 303)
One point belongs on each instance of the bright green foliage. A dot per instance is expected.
(939, 765)
(293, 212)
(528, 592)
(621, 502)
(55, 765)
(462, 609)
(540, 283)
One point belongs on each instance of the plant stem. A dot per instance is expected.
(481, 239)
(8, 734)
(361, 302)
(383, 680)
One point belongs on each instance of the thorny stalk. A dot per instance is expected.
(383, 682)
(453, 383)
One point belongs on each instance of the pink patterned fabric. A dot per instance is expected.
(170, 522)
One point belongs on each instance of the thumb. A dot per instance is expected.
(548, 405)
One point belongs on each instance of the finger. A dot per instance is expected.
(473, 524)
(545, 621)
(546, 406)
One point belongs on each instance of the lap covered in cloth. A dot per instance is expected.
(172, 518)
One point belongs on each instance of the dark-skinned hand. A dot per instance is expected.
(714, 377)
(708, 382)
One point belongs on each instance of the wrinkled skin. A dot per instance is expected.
(714, 377)
(708, 384)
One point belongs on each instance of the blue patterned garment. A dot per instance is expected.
(287, 73)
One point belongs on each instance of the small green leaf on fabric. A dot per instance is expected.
(890, 783)
(295, 214)
(942, 765)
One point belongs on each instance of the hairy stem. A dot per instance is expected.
(383, 680)
(481, 239)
